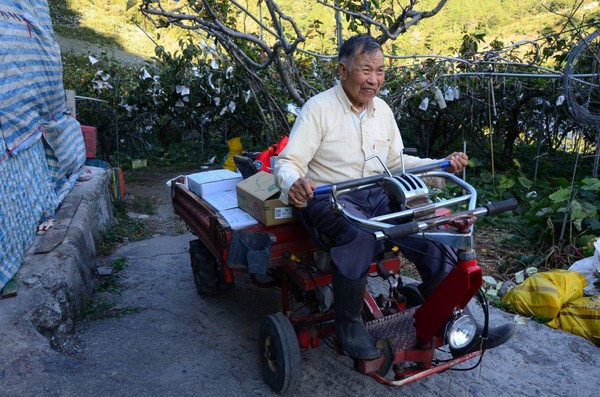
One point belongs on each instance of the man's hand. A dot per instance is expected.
(458, 162)
(301, 191)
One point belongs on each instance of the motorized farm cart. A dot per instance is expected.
(418, 337)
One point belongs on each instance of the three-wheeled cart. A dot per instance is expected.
(418, 337)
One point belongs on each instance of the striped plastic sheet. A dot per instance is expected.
(42, 152)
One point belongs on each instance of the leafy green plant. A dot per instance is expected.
(570, 212)
(556, 221)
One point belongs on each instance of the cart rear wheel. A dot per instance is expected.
(204, 268)
(280, 360)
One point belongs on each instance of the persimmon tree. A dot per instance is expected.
(264, 42)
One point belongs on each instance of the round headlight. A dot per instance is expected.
(461, 332)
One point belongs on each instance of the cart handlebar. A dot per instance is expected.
(501, 206)
(371, 180)
(413, 227)
(417, 219)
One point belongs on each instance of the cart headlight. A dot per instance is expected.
(461, 331)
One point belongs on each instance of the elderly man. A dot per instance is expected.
(333, 135)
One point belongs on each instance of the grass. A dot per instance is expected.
(111, 283)
(100, 307)
(107, 23)
(126, 228)
(142, 205)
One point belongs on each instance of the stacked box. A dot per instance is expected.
(214, 181)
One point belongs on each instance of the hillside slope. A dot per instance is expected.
(80, 47)
(110, 23)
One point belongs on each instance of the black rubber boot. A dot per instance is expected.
(348, 297)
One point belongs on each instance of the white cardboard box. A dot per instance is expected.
(203, 183)
(237, 218)
(222, 200)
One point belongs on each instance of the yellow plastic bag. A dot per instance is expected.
(544, 294)
(580, 317)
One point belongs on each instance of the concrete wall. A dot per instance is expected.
(54, 287)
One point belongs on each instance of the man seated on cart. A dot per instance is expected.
(333, 135)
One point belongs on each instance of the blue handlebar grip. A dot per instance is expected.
(323, 189)
(438, 165)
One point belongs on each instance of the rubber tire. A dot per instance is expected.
(412, 294)
(204, 269)
(279, 353)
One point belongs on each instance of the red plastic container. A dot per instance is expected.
(89, 139)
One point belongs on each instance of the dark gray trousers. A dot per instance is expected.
(353, 248)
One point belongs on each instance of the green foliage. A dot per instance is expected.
(119, 264)
(147, 111)
(556, 221)
(569, 212)
(113, 22)
(193, 94)
(471, 41)
(109, 23)
(100, 308)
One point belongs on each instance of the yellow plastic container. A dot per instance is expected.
(235, 148)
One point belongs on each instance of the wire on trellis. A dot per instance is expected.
(581, 85)
(491, 126)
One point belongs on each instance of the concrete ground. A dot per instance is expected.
(168, 341)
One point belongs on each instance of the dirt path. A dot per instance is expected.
(163, 339)
(147, 188)
(158, 337)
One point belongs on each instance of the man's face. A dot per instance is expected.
(363, 77)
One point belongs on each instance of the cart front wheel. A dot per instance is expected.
(280, 360)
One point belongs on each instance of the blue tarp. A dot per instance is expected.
(41, 146)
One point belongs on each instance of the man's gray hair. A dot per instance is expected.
(362, 43)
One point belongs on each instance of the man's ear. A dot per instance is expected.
(342, 70)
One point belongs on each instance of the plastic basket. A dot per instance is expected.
(90, 135)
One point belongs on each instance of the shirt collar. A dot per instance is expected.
(343, 98)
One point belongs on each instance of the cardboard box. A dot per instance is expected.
(258, 196)
(214, 181)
